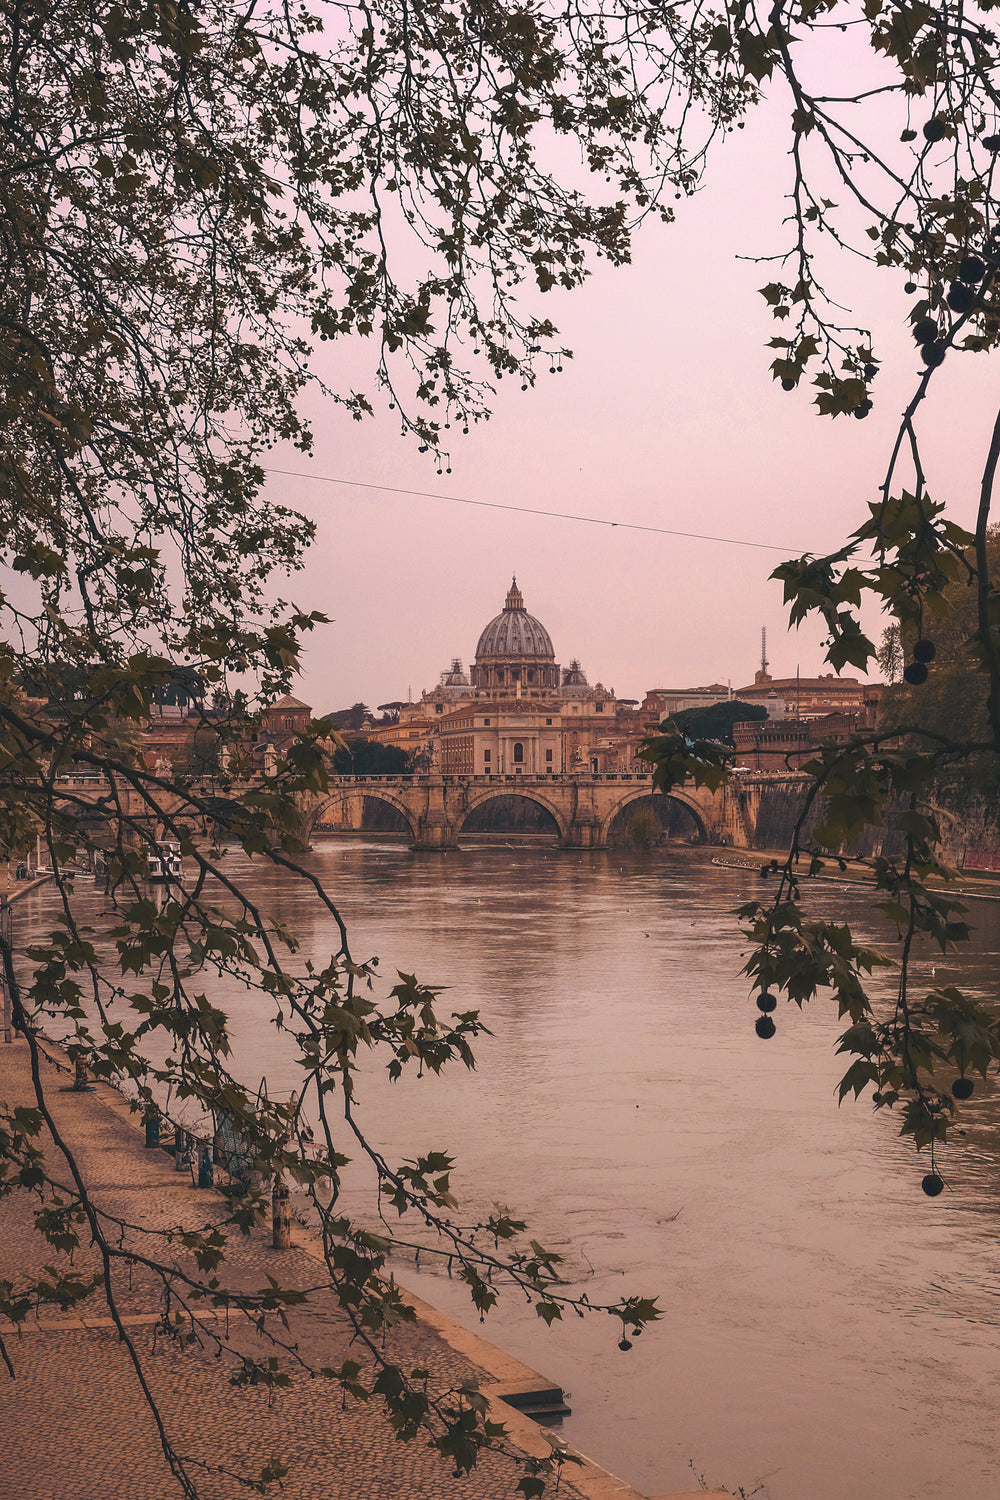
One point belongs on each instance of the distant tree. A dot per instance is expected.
(349, 720)
(183, 688)
(360, 757)
(951, 702)
(716, 721)
(644, 829)
(203, 757)
(889, 656)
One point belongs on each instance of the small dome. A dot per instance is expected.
(574, 676)
(455, 677)
(515, 633)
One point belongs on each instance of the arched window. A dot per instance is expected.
(518, 753)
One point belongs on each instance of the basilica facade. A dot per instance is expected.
(517, 712)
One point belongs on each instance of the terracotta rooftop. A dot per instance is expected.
(289, 702)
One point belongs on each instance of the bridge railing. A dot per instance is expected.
(539, 778)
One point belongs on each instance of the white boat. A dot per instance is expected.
(165, 862)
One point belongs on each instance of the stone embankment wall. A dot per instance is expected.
(970, 837)
(759, 812)
(778, 806)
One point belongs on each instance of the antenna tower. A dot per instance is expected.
(763, 648)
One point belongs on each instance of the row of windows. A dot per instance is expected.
(518, 754)
(506, 674)
(486, 723)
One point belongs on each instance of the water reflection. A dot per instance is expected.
(828, 1330)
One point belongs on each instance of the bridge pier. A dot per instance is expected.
(583, 828)
(434, 837)
(584, 833)
(435, 830)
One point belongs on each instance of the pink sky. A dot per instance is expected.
(667, 417)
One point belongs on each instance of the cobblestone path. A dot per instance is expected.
(74, 1424)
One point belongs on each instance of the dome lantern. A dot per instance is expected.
(514, 599)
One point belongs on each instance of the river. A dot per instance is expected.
(828, 1331)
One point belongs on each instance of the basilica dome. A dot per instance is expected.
(515, 650)
(515, 633)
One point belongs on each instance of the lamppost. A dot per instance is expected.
(6, 955)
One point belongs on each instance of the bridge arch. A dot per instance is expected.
(641, 793)
(87, 797)
(516, 788)
(371, 790)
(93, 821)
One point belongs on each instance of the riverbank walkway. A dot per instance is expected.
(73, 1422)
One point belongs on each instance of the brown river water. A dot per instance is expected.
(829, 1333)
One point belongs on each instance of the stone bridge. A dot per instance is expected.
(436, 806)
(751, 810)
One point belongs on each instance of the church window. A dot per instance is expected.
(486, 722)
(289, 723)
(599, 707)
(438, 708)
(548, 755)
(518, 753)
(548, 721)
(486, 756)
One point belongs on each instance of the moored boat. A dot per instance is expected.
(165, 862)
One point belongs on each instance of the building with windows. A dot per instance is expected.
(516, 712)
(811, 697)
(663, 703)
(785, 744)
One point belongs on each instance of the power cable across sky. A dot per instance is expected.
(530, 510)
